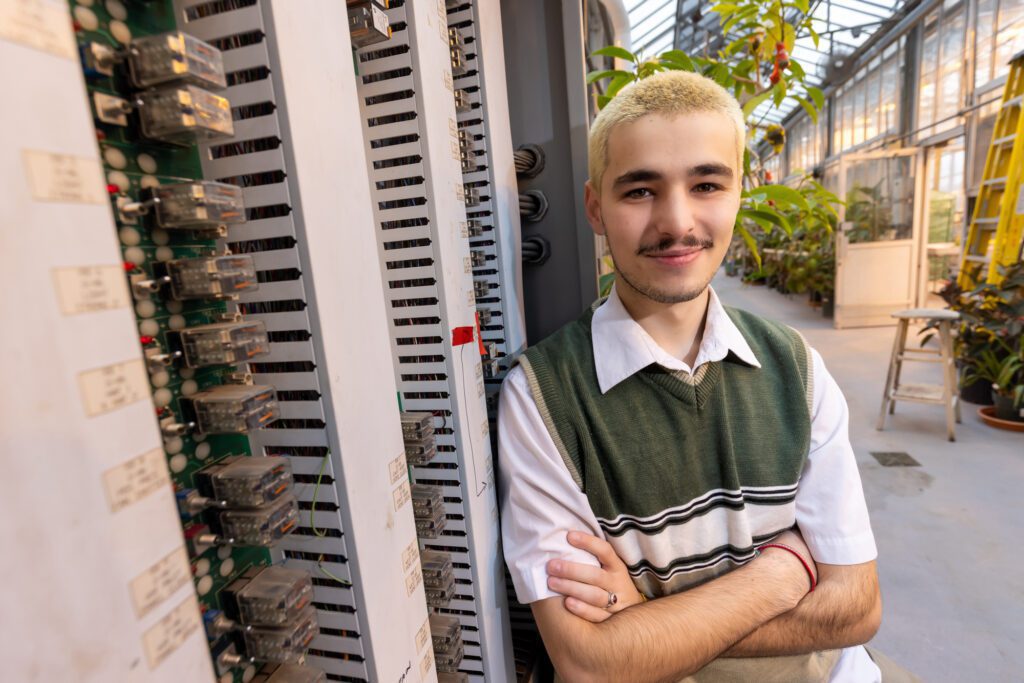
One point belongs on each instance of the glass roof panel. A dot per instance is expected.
(844, 25)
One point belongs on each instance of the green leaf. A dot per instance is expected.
(601, 75)
(678, 57)
(602, 101)
(811, 111)
(751, 243)
(779, 92)
(797, 70)
(786, 195)
(789, 36)
(774, 217)
(750, 105)
(616, 51)
(724, 8)
(814, 35)
(802, 5)
(618, 83)
(817, 96)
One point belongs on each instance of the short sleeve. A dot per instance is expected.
(830, 507)
(540, 502)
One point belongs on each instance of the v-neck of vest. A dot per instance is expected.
(693, 389)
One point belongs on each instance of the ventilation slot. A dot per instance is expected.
(261, 307)
(279, 275)
(296, 451)
(405, 322)
(282, 366)
(251, 75)
(286, 336)
(266, 244)
(411, 263)
(410, 341)
(386, 52)
(234, 149)
(421, 282)
(407, 244)
(397, 140)
(271, 211)
(420, 359)
(255, 179)
(238, 40)
(406, 303)
(399, 182)
(209, 9)
(389, 97)
(387, 75)
(315, 557)
(404, 223)
(298, 395)
(391, 118)
(252, 111)
(397, 161)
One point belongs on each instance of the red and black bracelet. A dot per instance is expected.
(810, 572)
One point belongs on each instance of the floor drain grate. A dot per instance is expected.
(895, 459)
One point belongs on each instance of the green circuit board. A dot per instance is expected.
(132, 163)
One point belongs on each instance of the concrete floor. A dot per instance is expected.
(950, 533)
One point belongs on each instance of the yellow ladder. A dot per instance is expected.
(994, 236)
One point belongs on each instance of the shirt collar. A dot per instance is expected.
(622, 347)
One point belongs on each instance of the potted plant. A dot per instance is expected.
(1006, 376)
(989, 332)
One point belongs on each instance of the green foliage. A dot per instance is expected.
(989, 342)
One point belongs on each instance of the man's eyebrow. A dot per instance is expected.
(709, 169)
(640, 175)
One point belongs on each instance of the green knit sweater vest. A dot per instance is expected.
(687, 474)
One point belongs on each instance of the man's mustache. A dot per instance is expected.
(686, 242)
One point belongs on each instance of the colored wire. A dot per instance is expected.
(316, 491)
(329, 575)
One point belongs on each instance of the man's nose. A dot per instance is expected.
(674, 214)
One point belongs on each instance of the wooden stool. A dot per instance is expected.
(945, 394)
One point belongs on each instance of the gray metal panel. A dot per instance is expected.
(547, 107)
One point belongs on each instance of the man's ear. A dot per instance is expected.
(593, 204)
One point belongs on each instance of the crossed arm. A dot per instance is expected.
(760, 609)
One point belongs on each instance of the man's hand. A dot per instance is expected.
(588, 590)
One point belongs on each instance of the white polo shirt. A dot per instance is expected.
(540, 502)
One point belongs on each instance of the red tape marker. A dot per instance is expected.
(462, 335)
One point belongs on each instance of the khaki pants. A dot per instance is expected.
(816, 667)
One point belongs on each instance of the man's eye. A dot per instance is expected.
(638, 193)
(706, 187)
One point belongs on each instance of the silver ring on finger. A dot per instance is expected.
(612, 599)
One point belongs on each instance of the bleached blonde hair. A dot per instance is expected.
(668, 93)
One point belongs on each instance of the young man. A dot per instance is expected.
(674, 438)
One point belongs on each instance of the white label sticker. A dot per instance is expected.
(159, 582)
(402, 495)
(423, 635)
(86, 289)
(428, 661)
(112, 387)
(413, 580)
(1020, 200)
(39, 24)
(467, 265)
(409, 555)
(170, 632)
(64, 178)
(396, 468)
(448, 81)
(135, 479)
